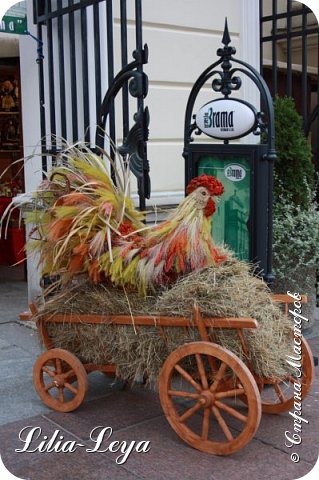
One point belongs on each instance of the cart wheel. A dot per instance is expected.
(277, 396)
(199, 385)
(53, 374)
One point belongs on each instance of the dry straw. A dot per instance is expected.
(226, 290)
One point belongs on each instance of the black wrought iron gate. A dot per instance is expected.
(285, 25)
(79, 63)
(287, 31)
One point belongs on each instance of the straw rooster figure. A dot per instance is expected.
(90, 226)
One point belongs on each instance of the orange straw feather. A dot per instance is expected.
(59, 228)
(75, 198)
(81, 249)
(93, 271)
(76, 263)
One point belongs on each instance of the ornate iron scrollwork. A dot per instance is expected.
(134, 145)
(261, 126)
(227, 83)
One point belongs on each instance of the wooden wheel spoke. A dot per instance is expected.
(49, 386)
(61, 397)
(190, 412)
(71, 388)
(177, 393)
(223, 425)
(205, 425)
(68, 374)
(230, 393)
(291, 379)
(58, 366)
(213, 366)
(188, 377)
(51, 373)
(218, 377)
(231, 411)
(201, 371)
(279, 392)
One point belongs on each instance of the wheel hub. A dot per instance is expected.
(207, 398)
(58, 381)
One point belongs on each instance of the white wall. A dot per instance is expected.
(31, 128)
(250, 53)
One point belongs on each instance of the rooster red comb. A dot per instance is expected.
(214, 186)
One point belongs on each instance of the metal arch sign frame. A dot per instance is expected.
(225, 81)
(224, 75)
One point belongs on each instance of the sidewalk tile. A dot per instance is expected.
(170, 458)
(118, 410)
(53, 465)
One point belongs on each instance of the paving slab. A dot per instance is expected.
(17, 335)
(272, 430)
(18, 398)
(118, 410)
(170, 458)
(314, 344)
(13, 300)
(55, 465)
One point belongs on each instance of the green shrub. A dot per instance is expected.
(296, 249)
(295, 213)
(294, 170)
(296, 235)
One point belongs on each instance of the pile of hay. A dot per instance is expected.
(226, 290)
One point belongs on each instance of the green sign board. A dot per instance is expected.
(16, 25)
(230, 221)
(15, 19)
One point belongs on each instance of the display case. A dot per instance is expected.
(11, 143)
(11, 150)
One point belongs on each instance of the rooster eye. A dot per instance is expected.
(204, 193)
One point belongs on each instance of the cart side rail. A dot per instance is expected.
(151, 320)
(287, 300)
(159, 320)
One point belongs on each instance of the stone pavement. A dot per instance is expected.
(133, 415)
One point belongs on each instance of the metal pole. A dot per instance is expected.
(289, 50)
(74, 106)
(125, 101)
(140, 100)
(274, 48)
(304, 76)
(85, 74)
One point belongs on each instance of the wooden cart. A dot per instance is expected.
(211, 398)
